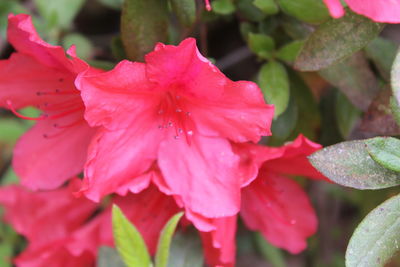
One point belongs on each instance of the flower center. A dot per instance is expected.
(175, 115)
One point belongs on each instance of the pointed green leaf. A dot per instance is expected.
(288, 53)
(349, 164)
(143, 24)
(108, 257)
(274, 83)
(60, 13)
(248, 10)
(262, 45)
(129, 242)
(164, 241)
(311, 11)
(335, 40)
(377, 237)
(394, 106)
(346, 115)
(269, 7)
(385, 151)
(223, 7)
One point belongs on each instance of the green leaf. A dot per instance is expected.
(186, 251)
(59, 13)
(185, 10)
(346, 115)
(223, 7)
(143, 24)
(377, 237)
(129, 242)
(10, 177)
(108, 257)
(274, 83)
(11, 130)
(335, 40)
(262, 45)
(249, 11)
(349, 164)
(385, 151)
(284, 124)
(269, 7)
(311, 11)
(84, 47)
(270, 253)
(164, 242)
(355, 79)
(382, 52)
(289, 52)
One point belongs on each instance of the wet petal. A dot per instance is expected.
(202, 174)
(280, 209)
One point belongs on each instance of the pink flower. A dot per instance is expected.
(177, 111)
(387, 11)
(64, 231)
(41, 75)
(272, 203)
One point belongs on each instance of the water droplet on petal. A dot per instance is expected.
(188, 113)
(293, 221)
(190, 132)
(160, 111)
(178, 110)
(170, 124)
(176, 137)
(160, 127)
(180, 130)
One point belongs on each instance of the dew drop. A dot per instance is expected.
(178, 110)
(180, 130)
(176, 137)
(170, 124)
(190, 132)
(160, 111)
(188, 113)
(160, 127)
(293, 221)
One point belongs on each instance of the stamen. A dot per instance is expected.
(58, 92)
(68, 125)
(19, 115)
(208, 5)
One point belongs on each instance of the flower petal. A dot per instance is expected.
(335, 8)
(202, 174)
(117, 98)
(387, 11)
(46, 163)
(22, 78)
(292, 158)
(220, 244)
(23, 36)
(117, 158)
(240, 114)
(280, 209)
(184, 66)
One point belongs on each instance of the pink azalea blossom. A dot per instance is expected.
(272, 203)
(62, 230)
(177, 111)
(387, 11)
(42, 76)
